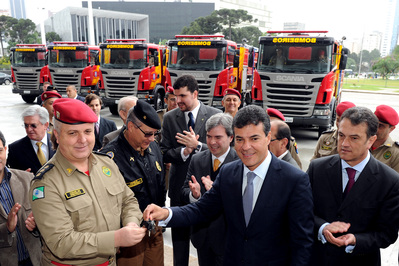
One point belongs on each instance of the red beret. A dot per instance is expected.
(170, 90)
(71, 111)
(50, 94)
(232, 92)
(343, 106)
(387, 114)
(275, 113)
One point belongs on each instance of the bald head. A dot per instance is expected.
(281, 135)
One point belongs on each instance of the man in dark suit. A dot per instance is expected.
(209, 238)
(183, 134)
(35, 149)
(18, 244)
(267, 202)
(72, 93)
(280, 142)
(355, 197)
(103, 125)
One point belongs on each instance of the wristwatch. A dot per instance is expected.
(198, 148)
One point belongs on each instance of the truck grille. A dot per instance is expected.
(205, 90)
(27, 81)
(291, 99)
(61, 81)
(118, 87)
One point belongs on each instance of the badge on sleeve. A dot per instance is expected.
(38, 193)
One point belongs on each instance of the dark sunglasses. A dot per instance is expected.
(29, 125)
(148, 134)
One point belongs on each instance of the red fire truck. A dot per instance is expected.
(300, 73)
(74, 63)
(27, 70)
(133, 67)
(216, 63)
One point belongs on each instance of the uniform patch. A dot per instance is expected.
(106, 171)
(132, 159)
(387, 155)
(158, 166)
(135, 182)
(69, 170)
(74, 193)
(38, 193)
(326, 148)
(111, 154)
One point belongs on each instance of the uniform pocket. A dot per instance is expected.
(115, 192)
(81, 212)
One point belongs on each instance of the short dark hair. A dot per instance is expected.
(252, 114)
(3, 139)
(283, 132)
(186, 80)
(91, 97)
(358, 115)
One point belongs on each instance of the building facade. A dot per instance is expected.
(18, 9)
(294, 26)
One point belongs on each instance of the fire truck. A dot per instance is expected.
(74, 63)
(133, 67)
(300, 73)
(27, 70)
(216, 63)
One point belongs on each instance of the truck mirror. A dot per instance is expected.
(236, 61)
(342, 63)
(156, 61)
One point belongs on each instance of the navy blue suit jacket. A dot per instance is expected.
(106, 126)
(280, 231)
(22, 155)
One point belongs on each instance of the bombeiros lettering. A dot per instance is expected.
(294, 40)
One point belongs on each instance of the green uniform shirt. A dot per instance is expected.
(388, 153)
(327, 144)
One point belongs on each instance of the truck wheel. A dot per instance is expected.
(113, 109)
(158, 102)
(29, 98)
(7, 82)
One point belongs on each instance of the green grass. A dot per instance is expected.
(371, 84)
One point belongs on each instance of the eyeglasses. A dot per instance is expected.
(26, 126)
(274, 139)
(147, 134)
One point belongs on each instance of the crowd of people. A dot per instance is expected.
(78, 191)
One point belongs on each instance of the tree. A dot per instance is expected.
(52, 37)
(194, 29)
(351, 64)
(395, 52)
(5, 26)
(232, 18)
(386, 66)
(250, 33)
(23, 31)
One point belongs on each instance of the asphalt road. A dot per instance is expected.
(12, 105)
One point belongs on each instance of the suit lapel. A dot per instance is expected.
(200, 120)
(181, 121)
(334, 177)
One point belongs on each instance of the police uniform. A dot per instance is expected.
(327, 144)
(388, 153)
(144, 175)
(47, 95)
(78, 213)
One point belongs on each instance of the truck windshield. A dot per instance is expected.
(29, 59)
(295, 59)
(124, 58)
(197, 58)
(67, 58)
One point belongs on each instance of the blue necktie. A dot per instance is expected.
(247, 197)
(190, 121)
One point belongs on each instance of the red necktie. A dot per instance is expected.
(351, 175)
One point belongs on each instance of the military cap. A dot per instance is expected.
(170, 90)
(343, 106)
(275, 113)
(387, 114)
(50, 94)
(232, 92)
(147, 114)
(73, 112)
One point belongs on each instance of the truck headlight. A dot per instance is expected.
(323, 112)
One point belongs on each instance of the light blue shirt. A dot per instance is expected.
(359, 168)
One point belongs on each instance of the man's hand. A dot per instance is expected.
(12, 218)
(167, 166)
(334, 228)
(30, 222)
(189, 139)
(129, 235)
(207, 181)
(194, 187)
(155, 213)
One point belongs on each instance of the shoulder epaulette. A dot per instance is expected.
(101, 153)
(397, 143)
(328, 131)
(47, 167)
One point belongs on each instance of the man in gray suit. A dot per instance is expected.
(18, 245)
(209, 237)
(183, 135)
(280, 144)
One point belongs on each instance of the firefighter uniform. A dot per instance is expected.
(77, 213)
(143, 172)
(388, 153)
(327, 144)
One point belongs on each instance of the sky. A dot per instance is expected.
(349, 18)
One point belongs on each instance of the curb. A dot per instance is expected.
(371, 92)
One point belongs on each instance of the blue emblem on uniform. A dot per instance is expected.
(106, 171)
(111, 154)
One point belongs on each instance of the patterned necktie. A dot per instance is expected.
(351, 175)
(216, 164)
(97, 128)
(40, 154)
(247, 197)
(190, 121)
